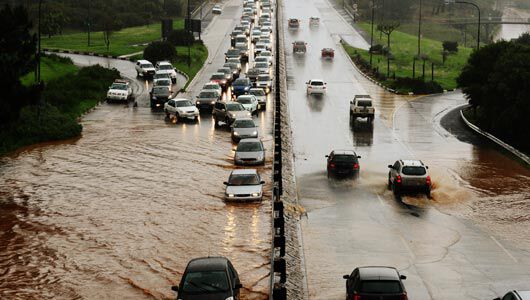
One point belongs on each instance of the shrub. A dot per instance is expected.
(377, 49)
(157, 51)
(450, 46)
(53, 124)
(417, 86)
(180, 37)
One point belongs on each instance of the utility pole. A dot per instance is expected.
(419, 33)
(478, 9)
(372, 34)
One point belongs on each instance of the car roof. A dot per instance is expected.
(316, 80)
(344, 152)
(525, 295)
(180, 99)
(412, 162)
(244, 171)
(250, 140)
(207, 264)
(163, 63)
(243, 119)
(143, 61)
(378, 273)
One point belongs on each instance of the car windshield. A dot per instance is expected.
(232, 52)
(205, 282)
(160, 90)
(249, 147)
(409, 170)
(163, 82)
(211, 87)
(261, 59)
(317, 83)
(380, 287)
(364, 102)
(160, 75)
(165, 67)
(244, 100)
(218, 76)
(119, 86)
(344, 158)
(264, 78)
(234, 107)
(244, 124)
(233, 60)
(259, 92)
(224, 70)
(262, 65)
(184, 103)
(241, 81)
(243, 179)
(265, 54)
(145, 66)
(208, 94)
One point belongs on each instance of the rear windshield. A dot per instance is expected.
(244, 124)
(264, 78)
(317, 83)
(218, 76)
(364, 102)
(241, 81)
(259, 92)
(163, 82)
(380, 287)
(232, 52)
(249, 147)
(244, 100)
(165, 67)
(262, 65)
(414, 170)
(344, 158)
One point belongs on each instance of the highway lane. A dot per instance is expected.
(119, 212)
(446, 252)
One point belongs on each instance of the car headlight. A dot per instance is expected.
(249, 114)
(255, 194)
(236, 133)
(212, 102)
(230, 298)
(246, 88)
(254, 133)
(232, 115)
(198, 102)
(230, 195)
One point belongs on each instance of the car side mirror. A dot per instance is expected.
(346, 276)
(238, 286)
(262, 182)
(498, 298)
(426, 167)
(391, 166)
(223, 109)
(225, 183)
(175, 288)
(358, 156)
(327, 155)
(402, 277)
(351, 102)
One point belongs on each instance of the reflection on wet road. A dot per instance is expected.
(118, 213)
(467, 241)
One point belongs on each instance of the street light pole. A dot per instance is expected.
(478, 9)
(372, 34)
(88, 23)
(190, 32)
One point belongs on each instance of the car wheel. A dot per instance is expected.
(216, 122)
(389, 184)
(196, 119)
(395, 190)
(227, 121)
(428, 194)
(177, 117)
(167, 113)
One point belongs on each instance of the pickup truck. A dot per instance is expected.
(361, 107)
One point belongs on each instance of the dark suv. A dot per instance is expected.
(375, 283)
(343, 163)
(209, 278)
(228, 112)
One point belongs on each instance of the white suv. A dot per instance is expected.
(164, 67)
(316, 86)
(120, 90)
(144, 68)
(182, 109)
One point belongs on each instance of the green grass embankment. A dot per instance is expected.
(52, 67)
(122, 42)
(404, 49)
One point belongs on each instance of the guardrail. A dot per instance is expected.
(278, 271)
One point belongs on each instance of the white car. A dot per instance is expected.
(244, 185)
(217, 10)
(316, 86)
(264, 81)
(263, 59)
(144, 68)
(260, 46)
(262, 67)
(182, 109)
(163, 82)
(164, 67)
(255, 36)
(120, 90)
(236, 61)
(268, 43)
(213, 86)
(260, 94)
(266, 53)
(249, 102)
(314, 21)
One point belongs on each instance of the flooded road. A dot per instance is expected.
(118, 213)
(469, 241)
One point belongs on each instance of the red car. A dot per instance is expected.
(328, 53)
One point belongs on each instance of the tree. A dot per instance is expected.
(17, 57)
(157, 51)
(387, 28)
(109, 25)
(53, 20)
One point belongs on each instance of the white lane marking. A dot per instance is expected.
(504, 249)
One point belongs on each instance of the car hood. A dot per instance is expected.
(261, 98)
(253, 154)
(121, 92)
(247, 106)
(206, 99)
(243, 189)
(166, 72)
(162, 94)
(262, 82)
(187, 108)
(240, 113)
(245, 131)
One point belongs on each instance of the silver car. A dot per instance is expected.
(409, 175)
(244, 185)
(243, 129)
(260, 94)
(250, 152)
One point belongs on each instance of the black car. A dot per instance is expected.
(209, 278)
(375, 283)
(158, 96)
(343, 163)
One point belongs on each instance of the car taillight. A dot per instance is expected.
(356, 297)
(404, 297)
(428, 180)
(398, 179)
(356, 166)
(332, 165)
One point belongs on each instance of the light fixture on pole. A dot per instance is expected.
(478, 9)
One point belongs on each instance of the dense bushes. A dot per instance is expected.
(496, 81)
(157, 51)
(450, 46)
(416, 85)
